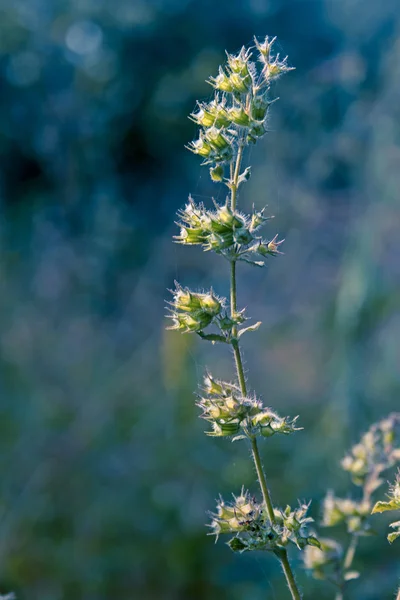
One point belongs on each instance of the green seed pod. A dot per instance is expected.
(212, 386)
(242, 236)
(200, 147)
(216, 139)
(210, 304)
(227, 429)
(239, 83)
(238, 116)
(192, 236)
(259, 107)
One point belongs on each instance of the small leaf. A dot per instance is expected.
(245, 176)
(393, 536)
(351, 575)
(381, 506)
(212, 337)
(250, 328)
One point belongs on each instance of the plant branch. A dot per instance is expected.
(281, 553)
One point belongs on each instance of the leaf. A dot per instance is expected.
(381, 506)
(393, 536)
(212, 337)
(250, 328)
(351, 575)
(245, 176)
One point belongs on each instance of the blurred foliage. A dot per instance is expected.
(106, 475)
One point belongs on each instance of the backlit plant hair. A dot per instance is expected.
(235, 118)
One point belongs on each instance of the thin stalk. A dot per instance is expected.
(281, 553)
(351, 550)
(347, 562)
(398, 595)
(283, 557)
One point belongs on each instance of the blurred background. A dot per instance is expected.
(105, 474)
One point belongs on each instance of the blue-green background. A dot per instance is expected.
(105, 474)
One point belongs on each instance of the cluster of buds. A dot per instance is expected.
(344, 510)
(393, 503)
(193, 311)
(378, 450)
(248, 521)
(232, 415)
(239, 108)
(226, 232)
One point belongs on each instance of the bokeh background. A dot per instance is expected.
(105, 474)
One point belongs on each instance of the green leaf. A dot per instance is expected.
(250, 328)
(381, 506)
(212, 337)
(393, 536)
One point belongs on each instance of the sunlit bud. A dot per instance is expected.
(210, 304)
(222, 82)
(191, 236)
(217, 173)
(212, 386)
(238, 116)
(257, 219)
(201, 147)
(239, 83)
(226, 216)
(216, 138)
(264, 48)
(239, 63)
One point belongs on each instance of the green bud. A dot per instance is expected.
(200, 147)
(222, 82)
(192, 236)
(242, 236)
(238, 116)
(216, 139)
(239, 83)
(210, 304)
(259, 107)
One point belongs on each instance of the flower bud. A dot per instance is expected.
(216, 139)
(210, 304)
(239, 83)
(238, 116)
(200, 147)
(242, 236)
(259, 107)
(264, 48)
(221, 82)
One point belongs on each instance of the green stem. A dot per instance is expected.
(262, 480)
(283, 557)
(351, 550)
(347, 562)
(281, 553)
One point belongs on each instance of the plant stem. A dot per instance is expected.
(347, 562)
(283, 557)
(281, 553)
(262, 480)
(351, 550)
